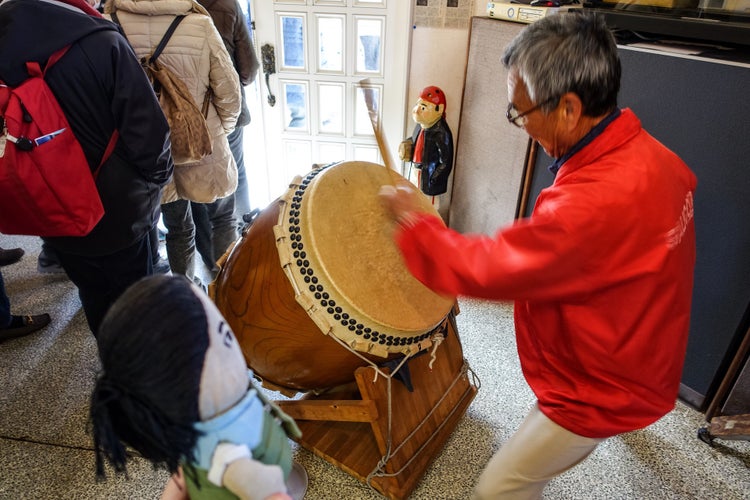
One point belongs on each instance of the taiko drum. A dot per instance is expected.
(316, 283)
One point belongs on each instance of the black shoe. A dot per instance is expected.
(200, 284)
(48, 264)
(10, 256)
(250, 217)
(24, 325)
(161, 266)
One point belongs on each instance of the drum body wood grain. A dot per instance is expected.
(317, 283)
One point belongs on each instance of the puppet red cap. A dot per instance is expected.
(434, 95)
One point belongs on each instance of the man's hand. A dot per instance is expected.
(401, 201)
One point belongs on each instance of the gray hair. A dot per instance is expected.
(567, 52)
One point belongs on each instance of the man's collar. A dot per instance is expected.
(585, 140)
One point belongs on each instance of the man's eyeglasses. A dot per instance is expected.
(519, 119)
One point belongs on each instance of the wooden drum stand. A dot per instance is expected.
(380, 432)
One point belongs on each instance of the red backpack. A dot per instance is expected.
(46, 185)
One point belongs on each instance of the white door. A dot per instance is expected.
(310, 97)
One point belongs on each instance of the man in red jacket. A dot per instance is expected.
(602, 271)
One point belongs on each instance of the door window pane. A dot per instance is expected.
(330, 152)
(331, 104)
(297, 158)
(362, 118)
(295, 106)
(292, 29)
(367, 152)
(369, 41)
(369, 3)
(330, 44)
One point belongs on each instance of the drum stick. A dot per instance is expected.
(372, 110)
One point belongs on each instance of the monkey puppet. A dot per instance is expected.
(175, 387)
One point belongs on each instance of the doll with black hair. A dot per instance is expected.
(175, 387)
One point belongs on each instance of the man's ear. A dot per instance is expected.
(571, 108)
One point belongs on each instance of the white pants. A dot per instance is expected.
(539, 451)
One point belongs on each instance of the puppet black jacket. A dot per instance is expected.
(437, 157)
(101, 87)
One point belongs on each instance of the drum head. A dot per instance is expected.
(347, 265)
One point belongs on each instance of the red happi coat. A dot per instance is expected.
(602, 278)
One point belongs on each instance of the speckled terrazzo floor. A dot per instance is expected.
(46, 453)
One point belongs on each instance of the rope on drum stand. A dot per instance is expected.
(377, 471)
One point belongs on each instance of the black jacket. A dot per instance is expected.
(101, 87)
(231, 25)
(437, 157)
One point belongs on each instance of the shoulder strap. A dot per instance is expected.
(56, 56)
(108, 151)
(163, 43)
(34, 69)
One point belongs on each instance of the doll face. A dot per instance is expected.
(224, 379)
(425, 113)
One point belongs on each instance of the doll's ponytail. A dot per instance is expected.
(120, 417)
(146, 395)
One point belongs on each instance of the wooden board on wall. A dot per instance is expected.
(490, 153)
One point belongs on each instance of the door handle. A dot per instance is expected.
(268, 58)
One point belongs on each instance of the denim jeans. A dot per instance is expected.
(5, 317)
(223, 224)
(242, 195)
(215, 228)
(203, 240)
(180, 239)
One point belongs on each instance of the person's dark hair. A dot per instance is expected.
(568, 52)
(152, 344)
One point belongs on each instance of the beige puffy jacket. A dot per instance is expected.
(198, 56)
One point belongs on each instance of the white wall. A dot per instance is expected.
(438, 57)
